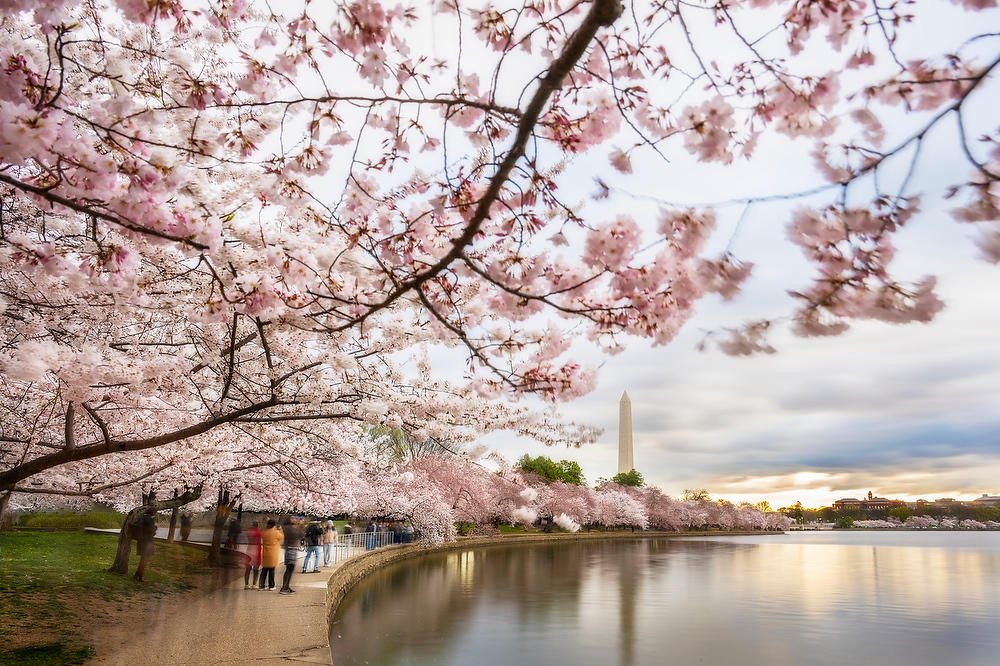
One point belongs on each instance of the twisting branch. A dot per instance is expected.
(602, 13)
(54, 198)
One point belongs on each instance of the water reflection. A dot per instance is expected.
(772, 600)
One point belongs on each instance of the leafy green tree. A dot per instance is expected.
(845, 521)
(987, 513)
(794, 512)
(765, 506)
(810, 515)
(567, 471)
(846, 516)
(631, 478)
(900, 512)
(698, 495)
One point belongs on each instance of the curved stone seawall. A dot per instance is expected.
(354, 571)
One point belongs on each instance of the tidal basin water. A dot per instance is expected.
(851, 597)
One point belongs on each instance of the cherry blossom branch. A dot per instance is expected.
(602, 13)
(10, 477)
(52, 197)
(90, 492)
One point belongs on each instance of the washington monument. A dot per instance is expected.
(625, 463)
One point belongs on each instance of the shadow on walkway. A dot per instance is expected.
(229, 625)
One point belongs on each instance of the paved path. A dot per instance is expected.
(229, 626)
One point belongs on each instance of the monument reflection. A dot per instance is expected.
(773, 600)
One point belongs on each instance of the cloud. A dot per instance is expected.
(896, 409)
(909, 410)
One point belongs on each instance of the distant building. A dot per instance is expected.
(847, 503)
(871, 503)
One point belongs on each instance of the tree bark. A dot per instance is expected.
(6, 517)
(223, 509)
(120, 565)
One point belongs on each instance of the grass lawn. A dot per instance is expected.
(63, 519)
(512, 529)
(55, 586)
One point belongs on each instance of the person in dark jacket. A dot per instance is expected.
(144, 542)
(314, 534)
(234, 533)
(185, 526)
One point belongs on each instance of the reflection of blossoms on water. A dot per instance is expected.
(619, 601)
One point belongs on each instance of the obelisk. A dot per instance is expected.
(625, 463)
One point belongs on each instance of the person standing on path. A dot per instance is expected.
(293, 537)
(234, 533)
(329, 541)
(144, 545)
(314, 534)
(185, 526)
(253, 556)
(271, 539)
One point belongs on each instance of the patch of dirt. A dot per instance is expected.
(127, 620)
(57, 616)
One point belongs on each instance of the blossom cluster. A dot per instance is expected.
(224, 214)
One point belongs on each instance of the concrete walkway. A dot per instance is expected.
(229, 625)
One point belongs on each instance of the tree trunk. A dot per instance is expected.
(6, 517)
(173, 521)
(120, 565)
(223, 509)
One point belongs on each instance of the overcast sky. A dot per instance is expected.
(904, 411)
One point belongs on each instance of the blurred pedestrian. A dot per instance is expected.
(329, 541)
(144, 544)
(254, 548)
(293, 537)
(233, 533)
(185, 526)
(270, 539)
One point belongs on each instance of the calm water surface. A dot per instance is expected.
(865, 598)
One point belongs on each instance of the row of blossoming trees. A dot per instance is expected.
(928, 522)
(232, 230)
(437, 490)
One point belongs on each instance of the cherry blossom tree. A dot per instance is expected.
(224, 221)
(920, 522)
(614, 506)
